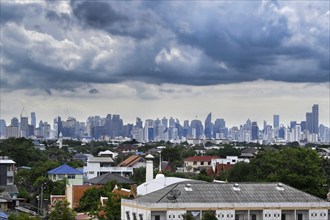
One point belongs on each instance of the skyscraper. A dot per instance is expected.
(208, 126)
(33, 119)
(309, 122)
(276, 121)
(315, 112)
(255, 131)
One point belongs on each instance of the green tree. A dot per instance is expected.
(61, 211)
(139, 175)
(113, 206)
(298, 167)
(228, 150)
(188, 216)
(22, 216)
(90, 201)
(209, 215)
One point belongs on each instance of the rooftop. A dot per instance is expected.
(228, 193)
(103, 179)
(201, 158)
(65, 169)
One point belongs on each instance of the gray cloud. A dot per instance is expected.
(209, 43)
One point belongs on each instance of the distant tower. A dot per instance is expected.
(33, 119)
(315, 112)
(208, 126)
(309, 122)
(276, 121)
(149, 168)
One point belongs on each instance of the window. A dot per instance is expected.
(209, 163)
(60, 176)
(127, 215)
(236, 217)
(202, 162)
(141, 216)
(9, 180)
(300, 216)
(157, 217)
(134, 216)
(71, 176)
(253, 217)
(195, 163)
(91, 172)
(283, 217)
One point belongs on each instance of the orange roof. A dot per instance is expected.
(201, 158)
(78, 192)
(130, 161)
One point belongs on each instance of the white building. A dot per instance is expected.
(247, 201)
(97, 166)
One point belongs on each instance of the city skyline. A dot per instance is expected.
(238, 60)
(34, 118)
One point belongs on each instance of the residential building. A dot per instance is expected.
(228, 201)
(8, 190)
(97, 166)
(197, 163)
(134, 161)
(70, 174)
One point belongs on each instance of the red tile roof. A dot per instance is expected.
(201, 158)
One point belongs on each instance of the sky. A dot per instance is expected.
(149, 59)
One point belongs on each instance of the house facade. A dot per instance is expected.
(97, 166)
(72, 175)
(248, 201)
(196, 163)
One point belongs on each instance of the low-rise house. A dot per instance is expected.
(97, 166)
(249, 153)
(108, 153)
(228, 201)
(134, 161)
(109, 177)
(72, 175)
(8, 190)
(196, 163)
(128, 149)
(82, 157)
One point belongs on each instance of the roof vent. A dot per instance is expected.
(280, 187)
(188, 187)
(236, 187)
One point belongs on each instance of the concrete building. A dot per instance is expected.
(247, 201)
(97, 166)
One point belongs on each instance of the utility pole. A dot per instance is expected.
(41, 199)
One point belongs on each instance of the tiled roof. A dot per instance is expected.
(225, 193)
(130, 161)
(103, 179)
(100, 160)
(64, 169)
(201, 158)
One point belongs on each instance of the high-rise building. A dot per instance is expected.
(293, 125)
(33, 119)
(208, 126)
(196, 127)
(165, 122)
(24, 127)
(255, 131)
(276, 121)
(2, 128)
(315, 112)
(14, 122)
(309, 122)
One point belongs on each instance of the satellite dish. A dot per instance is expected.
(173, 195)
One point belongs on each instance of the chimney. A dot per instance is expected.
(149, 168)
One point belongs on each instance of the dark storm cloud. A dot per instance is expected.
(168, 42)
